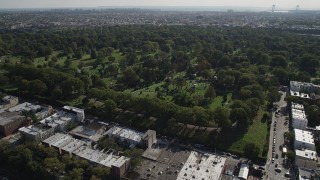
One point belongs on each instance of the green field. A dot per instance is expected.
(218, 101)
(256, 134)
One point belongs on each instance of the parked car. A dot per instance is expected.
(287, 174)
(278, 170)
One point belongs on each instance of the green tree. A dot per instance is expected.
(37, 87)
(100, 172)
(279, 61)
(221, 116)
(130, 77)
(75, 174)
(251, 151)
(210, 93)
(93, 54)
(72, 86)
(53, 166)
(313, 115)
(240, 116)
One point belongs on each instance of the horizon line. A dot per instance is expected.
(161, 7)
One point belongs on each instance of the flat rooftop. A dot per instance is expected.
(34, 129)
(8, 117)
(298, 94)
(303, 136)
(24, 107)
(74, 109)
(88, 132)
(297, 106)
(308, 154)
(73, 145)
(244, 171)
(202, 167)
(125, 133)
(58, 118)
(79, 148)
(299, 114)
(54, 138)
(305, 174)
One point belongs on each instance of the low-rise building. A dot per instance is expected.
(303, 86)
(8, 102)
(126, 136)
(66, 143)
(306, 159)
(93, 131)
(59, 120)
(303, 139)
(305, 174)
(299, 94)
(299, 119)
(202, 166)
(77, 111)
(48, 126)
(26, 106)
(36, 132)
(297, 106)
(10, 122)
(244, 171)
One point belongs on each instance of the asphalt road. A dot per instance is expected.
(278, 127)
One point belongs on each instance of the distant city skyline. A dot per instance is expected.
(281, 4)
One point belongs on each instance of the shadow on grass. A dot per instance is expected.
(229, 136)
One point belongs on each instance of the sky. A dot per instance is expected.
(284, 4)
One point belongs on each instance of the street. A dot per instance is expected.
(278, 127)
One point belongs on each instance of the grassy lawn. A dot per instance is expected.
(146, 92)
(218, 101)
(256, 134)
(12, 59)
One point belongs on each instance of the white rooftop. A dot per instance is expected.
(54, 138)
(308, 154)
(298, 94)
(298, 84)
(58, 118)
(303, 136)
(75, 109)
(24, 107)
(8, 98)
(244, 171)
(299, 114)
(202, 167)
(79, 147)
(297, 106)
(125, 133)
(73, 145)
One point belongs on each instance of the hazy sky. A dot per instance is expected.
(304, 4)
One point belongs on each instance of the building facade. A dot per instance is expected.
(149, 138)
(11, 122)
